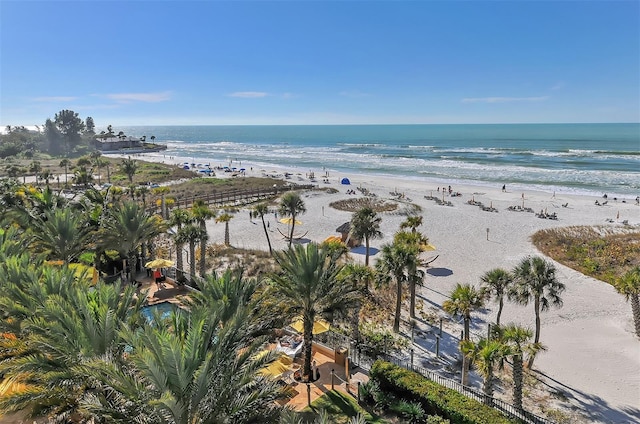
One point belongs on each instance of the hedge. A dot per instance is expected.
(435, 398)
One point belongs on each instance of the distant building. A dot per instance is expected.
(121, 143)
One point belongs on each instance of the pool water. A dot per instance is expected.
(164, 309)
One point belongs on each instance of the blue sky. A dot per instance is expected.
(320, 62)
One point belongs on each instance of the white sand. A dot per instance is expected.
(592, 355)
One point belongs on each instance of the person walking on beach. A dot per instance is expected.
(504, 188)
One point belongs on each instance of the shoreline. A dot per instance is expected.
(593, 357)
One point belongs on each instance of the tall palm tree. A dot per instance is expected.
(517, 344)
(261, 209)
(463, 300)
(358, 276)
(485, 354)
(127, 227)
(308, 282)
(535, 280)
(162, 192)
(35, 167)
(201, 213)
(391, 265)
(291, 205)
(629, 286)
(414, 242)
(365, 224)
(179, 218)
(496, 283)
(129, 167)
(190, 234)
(225, 217)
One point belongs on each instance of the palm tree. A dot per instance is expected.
(291, 205)
(62, 233)
(413, 242)
(365, 224)
(535, 280)
(463, 300)
(412, 222)
(516, 342)
(199, 368)
(46, 176)
(201, 213)
(629, 286)
(179, 218)
(67, 327)
(225, 217)
(496, 283)
(485, 354)
(162, 192)
(142, 192)
(190, 234)
(261, 209)
(127, 227)
(308, 283)
(129, 167)
(358, 276)
(35, 168)
(391, 265)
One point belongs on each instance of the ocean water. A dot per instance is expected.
(573, 158)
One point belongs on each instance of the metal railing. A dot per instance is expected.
(359, 358)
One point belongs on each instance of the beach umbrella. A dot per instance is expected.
(159, 263)
(333, 239)
(319, 326)
(288, 221)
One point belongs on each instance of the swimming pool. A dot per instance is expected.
(164, 309)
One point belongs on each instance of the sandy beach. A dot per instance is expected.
(592, 357)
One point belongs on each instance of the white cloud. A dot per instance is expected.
(55, 99)
(558, 86)
(249, 94)
(355, 94)
(504, 99)
(289, 96)
(140, 97)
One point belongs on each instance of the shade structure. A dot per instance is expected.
(288, 221)
(427, 247)
(333, 239)
(319, 326)
(159, 263)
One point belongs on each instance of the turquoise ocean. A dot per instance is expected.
(589, 159)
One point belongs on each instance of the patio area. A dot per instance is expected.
(326, 360)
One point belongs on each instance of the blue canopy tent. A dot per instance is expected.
(345, 181)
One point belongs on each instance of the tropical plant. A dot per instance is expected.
(516, 344)
(179, 218)
(162, 192)
(358, 276)
(65, 163)
(201, 213)
(291, 205)
(365, 224)
(391, 265)
(413, 242)
(535, 281)
(629, 286)
(129, 167)
(127, 227)
(225, 217)
(485, 355)
(463, 300)
(308, 283)
(190, 234)
(496, 283)
(61, 233)
(412, 222)
(200, 368)
(261, 209)
(35, 167)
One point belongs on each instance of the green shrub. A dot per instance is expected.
(410, 411)
(434, 398)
